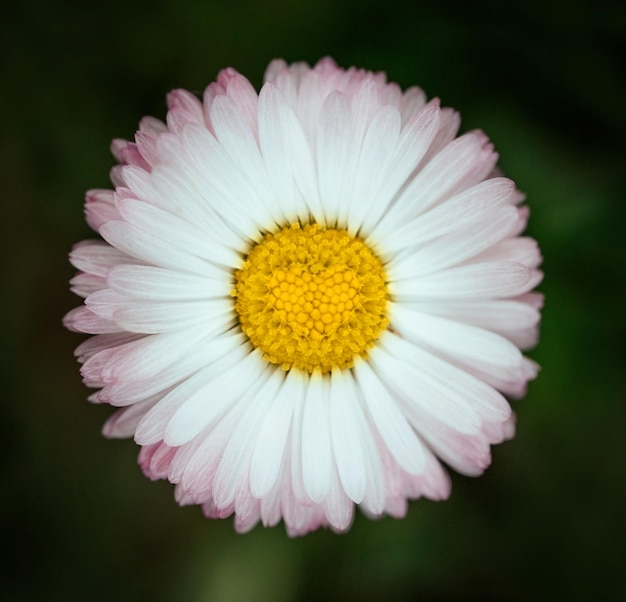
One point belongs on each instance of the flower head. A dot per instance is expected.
(307, 298)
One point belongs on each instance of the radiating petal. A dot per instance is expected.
(269, 450)
(346, 436)
(333, 141)
(232, 472)
(482, 280)
(217, 393)
(316, 440)
(394, 430)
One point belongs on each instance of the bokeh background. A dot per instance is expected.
(546, 522)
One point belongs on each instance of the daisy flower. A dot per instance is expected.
(307, 298)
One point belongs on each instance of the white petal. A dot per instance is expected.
(152, 125)
(466, 395)
(338, 508)
(449, 124)
(522, 250)
(288, 158)
(246, 516)
(457, 247)
(473, 347)
(155, 460)
(269, 451)
(316, 442)
(462, 212)
(271, 511)
(196, 463)
(124, 392)
(345, 433)
(84, 284)
(178, 232)
(405, 371)
(97, 257)
(395, 431)
(165, 317)
(160, 284)
(101, 342)
(100, 208)
(505, 316)
(151, 355)
(122, 423)
(243, 95)
(150, 249)
(294, 447)
(371, 173)
(411, 146)
(413, 100)
(173, 186)
(468, 454)
(237, 139)
(481, 280)
(225, 353)
(223, 188)
(214, 396)
(453, 169)
(234, 463)
(333, 142)
(82, 319)
(374, 498)
(365, 103)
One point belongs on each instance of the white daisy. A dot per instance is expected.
(307, 298)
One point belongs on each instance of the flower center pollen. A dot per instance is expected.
(311, 298)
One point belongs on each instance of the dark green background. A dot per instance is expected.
(80, 522)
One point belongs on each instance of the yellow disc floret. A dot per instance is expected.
(311, 298)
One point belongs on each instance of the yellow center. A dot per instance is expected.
(311, 298)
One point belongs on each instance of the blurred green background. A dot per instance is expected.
(546, 522)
